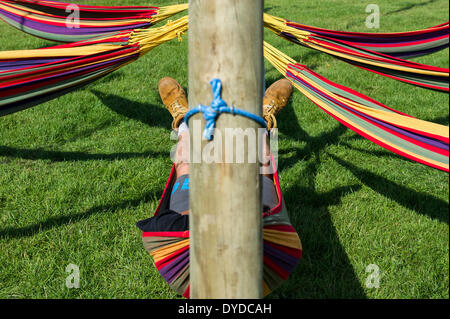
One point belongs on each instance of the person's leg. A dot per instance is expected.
(275, 99)
(174, 98)
(182, 151)
(179, 200)
(266, 166)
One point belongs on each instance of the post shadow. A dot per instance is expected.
(61, 156)
(325, 270)
(146, 113)
(57, 221)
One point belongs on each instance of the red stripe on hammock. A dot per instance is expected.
(276, 180)
(116, 38)
(402, 136)
(63, 5)
(394, 150)
(283, 228)
(434, 136)
(440, 88)
(28, 76)
(168, 260)
(395, 45)
(81, 25)
(346, 89)
(368, 34)
(175, 234)
(166, 188)
(186, 294)
(58, 79)
(383, 57)
(277, 269)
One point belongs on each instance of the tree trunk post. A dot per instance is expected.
(225, 42)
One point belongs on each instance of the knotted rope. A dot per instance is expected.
(217, 107)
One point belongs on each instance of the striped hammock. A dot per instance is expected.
(30, 77)
(426, 76)
(53, 20)
(398, 44)
(282, 248)
(418, 140)
(48, 19)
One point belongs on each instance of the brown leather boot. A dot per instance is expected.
(174, 98)
(276, 97)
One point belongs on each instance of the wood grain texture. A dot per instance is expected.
(225, 42)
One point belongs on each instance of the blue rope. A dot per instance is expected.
(218, 106)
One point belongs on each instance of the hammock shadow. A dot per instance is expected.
(60, 156)
(325, 270)
(288, 125)
(149, 114)
(110, 77)
(421, 203)
(85, 133)
(378, 153)
(270, 8)
(310, 58)
(57, 221)
(410, 6)
(443, 120)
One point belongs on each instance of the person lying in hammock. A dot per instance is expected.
(173, 210)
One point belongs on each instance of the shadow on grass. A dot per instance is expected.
(149, 114)
(410, 6)
(325, 270)
(268, 9)
(60, 156)
(443, 120)
(379, 153)
(86, 133)
(57, 221)
(314, 144)
(419, 202)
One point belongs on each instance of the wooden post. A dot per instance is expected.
(225, 42)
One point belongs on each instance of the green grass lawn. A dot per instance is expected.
(78, 172)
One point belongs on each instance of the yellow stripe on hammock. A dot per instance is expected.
(376, 137)
(79, 66)
(288, 239)
(387, 116)
(280, 62)
(86, 23)
(62, 52)
(147, 40)
(321, 47)
(278, 25)
(163, 13)
(161, 253)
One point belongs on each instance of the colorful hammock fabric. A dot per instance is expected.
(170, 249)
(397, 44)
(426, 76)
(47, 19)
(30, 77)
(418, 140)
(50, 20)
